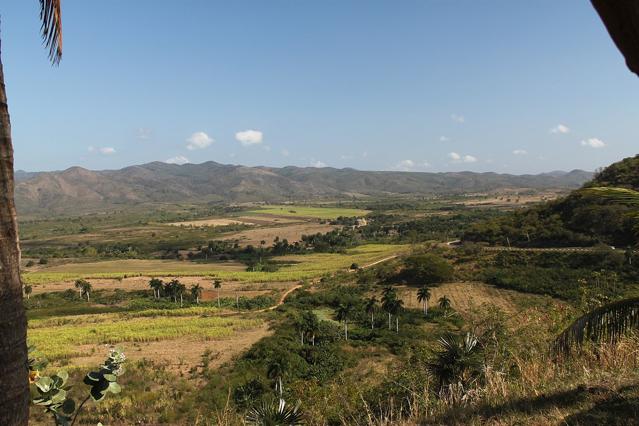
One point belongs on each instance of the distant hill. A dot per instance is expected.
(160, 182)
(574, 220)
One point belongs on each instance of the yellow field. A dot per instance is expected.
(64, 337)
(311, 212)
(300, 267)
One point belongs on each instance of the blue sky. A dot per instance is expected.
(428, 85)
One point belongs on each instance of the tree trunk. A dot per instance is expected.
(397, 324)
(14, 398)
(88, 297)
(426, 310)
(389, 321)
(372, 321)
(346, 330)
(218, 298)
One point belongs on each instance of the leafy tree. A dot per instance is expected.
(428, 269)
(196, 293)
(423, 296)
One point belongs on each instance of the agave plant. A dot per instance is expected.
(610, 321)
(275, 413)
(458, 360)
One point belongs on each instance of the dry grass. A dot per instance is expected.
(179, 355)
(465, 296)
(229, 288)
(291, 232)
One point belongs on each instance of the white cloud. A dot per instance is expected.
(318, 164)
(426, 164)
(144, 134)
(457, 158)
(364, 154)
(106, 150)
(560, 128)
(285, 152)
(249, 137)
(198, 140)
(405, 165)
(179, 159)
(457, 118)
(520, 152)
(345, 157)
(444, 138)
(593, 143)
(266, 148)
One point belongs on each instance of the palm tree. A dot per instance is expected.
(444, 303)
(276, 371)
(14, 400)
(28, 289)
(196, 292)
(423, 296)
(180, 289)
(611, 321)
(156, 285)
(371, 307)
(86, 289)
(388, 299)
(79, 284)
(395, 308)
(343, 313)
(217, 284)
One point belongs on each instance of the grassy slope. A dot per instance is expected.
(298, 267)
(313, 212)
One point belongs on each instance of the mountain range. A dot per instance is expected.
(158, 182)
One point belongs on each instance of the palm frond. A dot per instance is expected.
(619, 195)
(51, 17)
(607, 322)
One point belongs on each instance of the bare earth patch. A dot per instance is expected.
(291, 232)
(179, 355)
(211, 222)
(465, 295)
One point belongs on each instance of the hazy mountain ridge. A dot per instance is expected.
(210, 181)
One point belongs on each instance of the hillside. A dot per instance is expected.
(210, 181)
(575, 220)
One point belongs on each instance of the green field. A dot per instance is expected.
(326, 213)
(295, 268)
